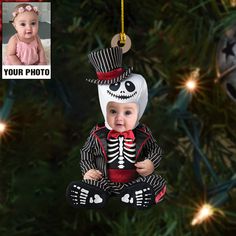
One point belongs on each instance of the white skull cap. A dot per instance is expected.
(137, 93)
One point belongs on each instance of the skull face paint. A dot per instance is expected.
(120, 90)
(131, 90)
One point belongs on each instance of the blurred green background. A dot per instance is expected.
(49, 121)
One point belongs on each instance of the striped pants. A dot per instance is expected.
(156, 181)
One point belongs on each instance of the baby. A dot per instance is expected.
(120, 155)
(25, 47)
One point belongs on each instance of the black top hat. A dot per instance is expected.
(108, 65)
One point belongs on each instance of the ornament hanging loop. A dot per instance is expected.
(116, 41)
(122, 40)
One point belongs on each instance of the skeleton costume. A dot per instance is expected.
(113, 153)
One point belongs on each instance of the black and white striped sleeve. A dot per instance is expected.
(87, 161)
(154, 152)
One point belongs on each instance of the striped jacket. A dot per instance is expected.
(94, 152)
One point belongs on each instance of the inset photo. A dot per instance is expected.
(26, 40)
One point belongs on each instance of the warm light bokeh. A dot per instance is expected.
(204, 213)
(191, 85)
(2, 127)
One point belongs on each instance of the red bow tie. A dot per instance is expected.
(129, 134)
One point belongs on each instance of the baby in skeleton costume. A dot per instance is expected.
(120, 156)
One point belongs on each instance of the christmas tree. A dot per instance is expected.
(178, 47)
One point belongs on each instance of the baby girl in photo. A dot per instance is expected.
(25, 47)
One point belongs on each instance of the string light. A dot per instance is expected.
(191, 82)
(191, 85)
(2, 127)
(233, 3)
(204, 213)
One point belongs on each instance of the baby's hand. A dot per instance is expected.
(145, 167)
(93, 174)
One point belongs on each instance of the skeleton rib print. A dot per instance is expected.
(121, 153)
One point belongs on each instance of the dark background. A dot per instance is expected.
(49, 121)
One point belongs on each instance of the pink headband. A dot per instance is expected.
(23, 9)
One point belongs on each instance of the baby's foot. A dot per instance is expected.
(80, 194)
(139, 195)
